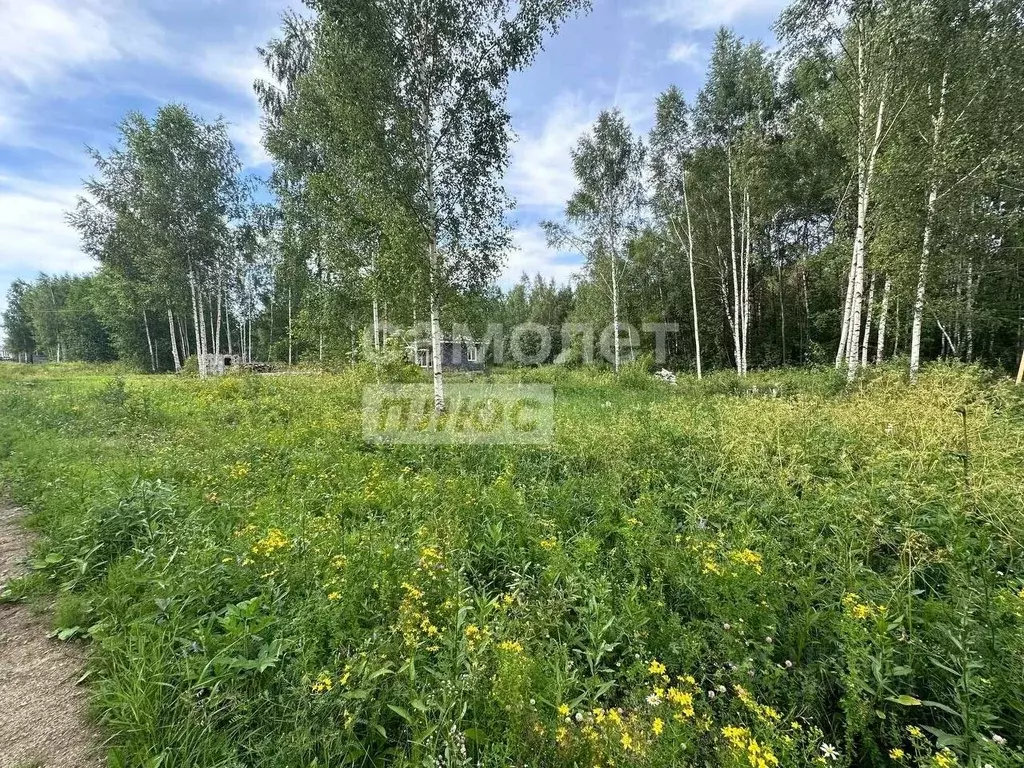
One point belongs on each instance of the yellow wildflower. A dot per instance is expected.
(656, 668)
(748, 558)
(736, 736)
(563, 710)
(657, 726)
(896, 754)
(323, 684)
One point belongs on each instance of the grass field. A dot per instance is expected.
(697, 575)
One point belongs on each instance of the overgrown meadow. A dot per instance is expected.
(775, 572)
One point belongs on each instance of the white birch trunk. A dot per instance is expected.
(693, 284)
(926, 237)
(435, 328)
(970, 309)
(745, 258)
(883, 318)
(289, 325)
(737, 353)
(615, 308)
(844, 332)
(174, 344)
(376, 324)
(149, 342)
(867, 323)
(200, 322)
(216, 327)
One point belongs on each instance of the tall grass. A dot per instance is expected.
(777, 571)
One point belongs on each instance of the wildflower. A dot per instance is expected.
(788, 664)
(726, 626)
(997, 739)
(861, 611)
(614, 717)
(654, 700)
(896, 754)
(511, 646)
(945, 759)
(323, 684)
(827, 750)
(681, 699)
(737, 737)
(657, 726)
(563, 710)
(914, 731)
(334, 596)
(272, 542)
(710, 566)
(548, 544)
(748, 558)
(627, 741)
(656, 667)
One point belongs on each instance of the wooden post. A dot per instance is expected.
(1020, 369)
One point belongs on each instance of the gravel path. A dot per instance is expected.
(42, 712)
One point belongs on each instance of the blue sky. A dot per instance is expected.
(70, 69)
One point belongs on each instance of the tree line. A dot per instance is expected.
(853, 196)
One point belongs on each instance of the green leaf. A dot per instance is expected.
(942, 738)
(904, 700)
(401, 712)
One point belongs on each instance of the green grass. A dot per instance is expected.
(692, 575)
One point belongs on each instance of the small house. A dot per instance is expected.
(458, 354)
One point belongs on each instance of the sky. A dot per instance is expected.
(71, 69)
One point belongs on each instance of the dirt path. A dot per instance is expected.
(42, 720)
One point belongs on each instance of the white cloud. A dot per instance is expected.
(696, 15)
(686, 52)
(247, 135)
(35, 236)
(532, 255)
(541, 169)
(43, 41)
(540, 173)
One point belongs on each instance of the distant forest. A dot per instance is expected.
(855, 196)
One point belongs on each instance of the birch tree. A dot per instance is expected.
(671, 150)
(604, 212)
(420, 87)
(863, 54)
